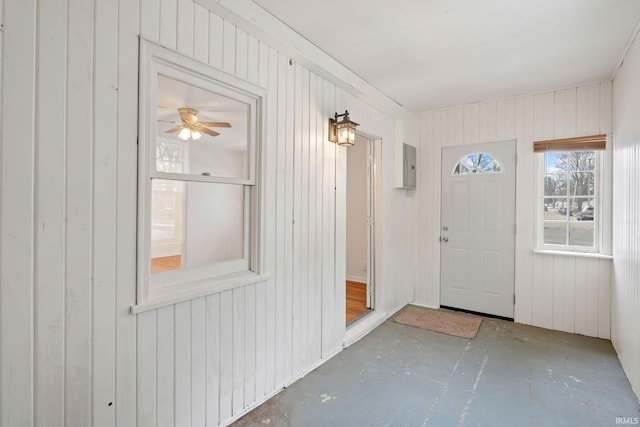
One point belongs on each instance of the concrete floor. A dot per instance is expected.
(510, 375)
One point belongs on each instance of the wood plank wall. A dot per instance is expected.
(72, 354)
(626, 231)
(552, 291)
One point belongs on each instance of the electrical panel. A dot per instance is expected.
(408, 166)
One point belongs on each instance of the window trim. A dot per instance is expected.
(603, 246)
(192, 283)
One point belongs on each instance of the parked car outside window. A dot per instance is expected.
(586, 214)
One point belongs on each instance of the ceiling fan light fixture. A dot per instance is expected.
(191, 128)
(185, 134)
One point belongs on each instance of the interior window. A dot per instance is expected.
(197, 167)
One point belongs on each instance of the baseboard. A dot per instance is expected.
(357, 279)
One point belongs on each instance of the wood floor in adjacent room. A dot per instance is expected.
(356, 300)
(166, 263)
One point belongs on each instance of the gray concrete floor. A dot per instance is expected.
(509, 375)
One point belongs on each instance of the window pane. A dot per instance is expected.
(477, 163)
(555, 233)
(211, 131)
(569, 197)
(581, 184)
(553, 210)
(208, 218)
(581, 233)
(166, 220)
(555, 184)
(569, 161)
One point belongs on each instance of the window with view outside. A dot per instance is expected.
(478, 163)
(570, 199)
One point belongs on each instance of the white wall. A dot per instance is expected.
(625, 322)
(552, 291)
(72, 354)
(214, 214)
(357, 211)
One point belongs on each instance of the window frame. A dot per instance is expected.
(172, 286)
(602, 206)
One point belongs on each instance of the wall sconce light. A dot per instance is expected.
(342, 132)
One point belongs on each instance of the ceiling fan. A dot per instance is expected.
(191, 128)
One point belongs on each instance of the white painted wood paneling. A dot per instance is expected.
(626, 230)
(49, 293)
(17, 217)
(72, 119)
(72, 353)
(261, 336)
(552, 291)
(125, 259)
(104, 201)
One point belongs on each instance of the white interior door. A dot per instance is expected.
(477, 236)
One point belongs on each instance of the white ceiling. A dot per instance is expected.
(427, 54)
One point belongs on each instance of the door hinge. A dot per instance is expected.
(515, 156)
(514, 299)
(515, 228)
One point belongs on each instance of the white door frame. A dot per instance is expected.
(374, 223)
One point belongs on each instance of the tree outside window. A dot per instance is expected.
(570, 183)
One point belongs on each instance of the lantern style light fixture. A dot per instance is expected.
(342, 132)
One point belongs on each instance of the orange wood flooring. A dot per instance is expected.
(165, 263)
(356, 300)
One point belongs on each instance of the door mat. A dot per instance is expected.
(446, 322)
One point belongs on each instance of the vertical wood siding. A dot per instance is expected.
(72, 354)
(552, 291)
(259, 337)
(17, 248)
(626, 231)
(69, 91)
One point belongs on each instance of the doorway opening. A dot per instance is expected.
(363, 171)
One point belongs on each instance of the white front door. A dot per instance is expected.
(477, 235)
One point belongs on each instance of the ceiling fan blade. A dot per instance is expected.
(216, 124)
(208, 131)
(169, 121)
(175, 129)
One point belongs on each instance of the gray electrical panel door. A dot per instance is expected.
(408, 166)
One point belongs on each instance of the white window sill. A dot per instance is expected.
(573, 254)
(198, 290)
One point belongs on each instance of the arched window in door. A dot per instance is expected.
(477, 163)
